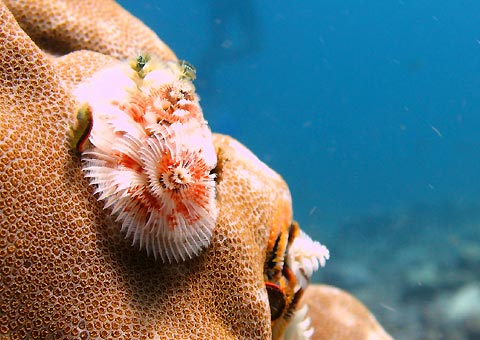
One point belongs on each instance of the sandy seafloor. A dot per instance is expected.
(371, 112)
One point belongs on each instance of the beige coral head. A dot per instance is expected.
(66, 271)
(336, 314)
(63, 26)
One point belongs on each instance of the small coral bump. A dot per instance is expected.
(304, 258)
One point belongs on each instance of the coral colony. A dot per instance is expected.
(149, 154)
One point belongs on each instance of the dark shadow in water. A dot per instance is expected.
(235, 33)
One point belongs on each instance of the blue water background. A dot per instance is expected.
(364, 107)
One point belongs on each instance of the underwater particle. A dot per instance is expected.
(151, 159)
(437, 131)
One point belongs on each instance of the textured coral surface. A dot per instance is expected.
(60, 27)
(338, 315)
(65, 269)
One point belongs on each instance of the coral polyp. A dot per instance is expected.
(151, 157)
